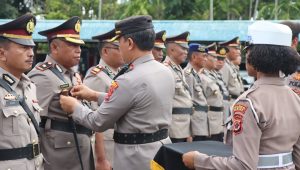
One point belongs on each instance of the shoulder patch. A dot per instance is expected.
(97, 69)
(44, 66)
(238, 114)
(114, 85)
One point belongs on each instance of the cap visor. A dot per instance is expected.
(159, 46)
(74, 40)
(26, 42)
(184, 45)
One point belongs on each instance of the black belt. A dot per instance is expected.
(201, 108)
(30, 151)
(179, 110)
(216, 109)
(140, 138)
(226, 97)
(64, 126)
(234, 96)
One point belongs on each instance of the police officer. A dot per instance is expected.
(294, 80)
(159, 45)
(52, 77)
(261, 116)
(221, 56)
(138, 103)
(19, 143)
(99, 78)
(177, 47)
(214, 95)
(197, 57)
(230, 75)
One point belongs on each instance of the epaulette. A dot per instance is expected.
(188, 71)
(44, 66)
(97, 69)
(167, 63)
(201, 71)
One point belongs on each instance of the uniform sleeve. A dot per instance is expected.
(44, 90)
(246, 141)
(296, 154)
(225, 74)
(190, 82)
(95, 83)
(117, 102)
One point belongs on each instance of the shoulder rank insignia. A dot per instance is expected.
(10, 97)
(167, 63)
(58, 68)
(8, 79)
(44, 66)
(238, 114)
(131, 67)
(78, 78)
(97, 69)
(114, 85)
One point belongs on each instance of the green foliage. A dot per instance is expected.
(158, 9)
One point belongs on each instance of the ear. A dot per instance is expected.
(54, 46)
(104, 51)
(295, 41)
(2, 54)
(131, 44)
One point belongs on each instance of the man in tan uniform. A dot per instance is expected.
(265, 126)
(230, 75)
(99, 78)
(54, 75)
(214, 95)
(139, 102)
(199, 123)
(157, 51)
(177, 47)
(294, 80)
(19, 143)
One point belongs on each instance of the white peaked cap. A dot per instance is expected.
(265, 32)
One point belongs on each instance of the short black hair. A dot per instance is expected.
(273, 58)
(4, 41)
(143, 39)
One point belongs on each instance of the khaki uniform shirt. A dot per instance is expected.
(58, 147)
(140, 101)
(181, 123)
(17, 129)
(214, 98)
(265, 121)
(100, 80)
(198, 118)
(231, 78)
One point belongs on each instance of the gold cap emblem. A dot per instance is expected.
(238, 41)
(77, 26)
(222, 51)
(164, 36)
(188, 37)
(30, 26)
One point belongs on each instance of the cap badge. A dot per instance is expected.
(164, 36)
(77, 26)
(222, 51)
(30, 26)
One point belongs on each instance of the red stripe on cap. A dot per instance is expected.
(68, 31)
(15, 32)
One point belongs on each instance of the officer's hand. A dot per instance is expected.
(68, 103)
(103, 165)
(85, 93)
(188, 159)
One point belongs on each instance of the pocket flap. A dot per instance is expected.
(13, 111)
(66, 141)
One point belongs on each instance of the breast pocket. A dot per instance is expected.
(14, 117)
(178, 87)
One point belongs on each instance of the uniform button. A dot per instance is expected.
(37, 164)
(15, 112)
(68, 143)
(8, 169)
(33, 141)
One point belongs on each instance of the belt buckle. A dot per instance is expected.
(208, 108)
(36, 149)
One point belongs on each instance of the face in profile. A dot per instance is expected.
(233, 53)
(158, 54)
(178, 53)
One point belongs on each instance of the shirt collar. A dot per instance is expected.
(104, 64)
(270, 81)
(59, 66)
(12, 80)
